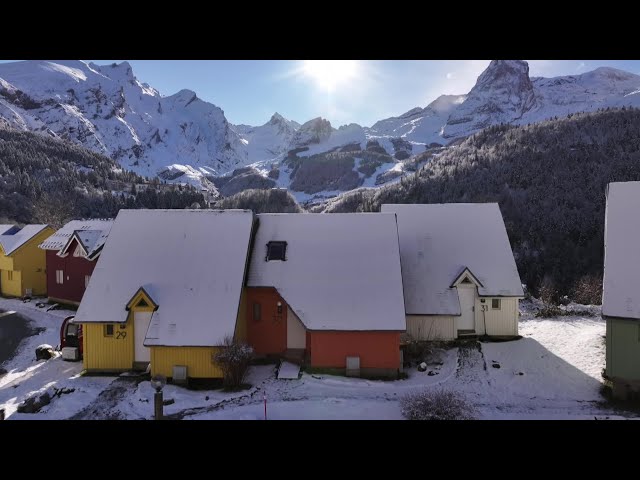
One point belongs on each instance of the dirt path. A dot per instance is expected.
(104, 406)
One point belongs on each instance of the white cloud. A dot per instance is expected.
(450, 75)
(581, 66)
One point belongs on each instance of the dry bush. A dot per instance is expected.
(234, 358)
(436, 405)
(588, 290)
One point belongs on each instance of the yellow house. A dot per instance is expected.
(166, 291)
(22, 263)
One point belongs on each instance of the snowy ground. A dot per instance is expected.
(553, 372)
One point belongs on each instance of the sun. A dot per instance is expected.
(329, 74)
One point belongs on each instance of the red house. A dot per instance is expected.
(327, 290)
(72, 253)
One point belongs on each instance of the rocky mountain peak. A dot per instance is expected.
(277, 119)
(503, 93)
(510, 74)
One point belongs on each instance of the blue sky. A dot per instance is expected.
(250, 91)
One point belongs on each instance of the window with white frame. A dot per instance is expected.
(86, 280)
(59, 277)
(495, 304)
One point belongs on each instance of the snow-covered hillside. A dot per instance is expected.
(270, 140)
(419, 125)
(106, 109)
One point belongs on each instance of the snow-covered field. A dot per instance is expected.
(553, 372)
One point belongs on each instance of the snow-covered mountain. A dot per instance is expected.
(270, 140)
(420, 125)
(106, 109)
(181, 138)
(504, 93)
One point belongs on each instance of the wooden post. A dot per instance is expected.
(157, 401)
(1, 413)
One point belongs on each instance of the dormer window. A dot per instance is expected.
(276, 251)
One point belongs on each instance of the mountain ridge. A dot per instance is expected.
(185, 139)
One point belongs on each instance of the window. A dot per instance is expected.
(257, 312)
(276, 251)
(86, 280)
(108, 330)
(495, 304)
(59, 277)
(72, 329)
(10, 275)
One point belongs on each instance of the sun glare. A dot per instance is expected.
(329, 74)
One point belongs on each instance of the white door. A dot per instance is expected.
(142, 320)
(467, 297)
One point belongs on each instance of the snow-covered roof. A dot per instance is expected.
(341, 271)
(437, 242)
(191, 262)
(11, 241)
(620, 297)
(90, 233)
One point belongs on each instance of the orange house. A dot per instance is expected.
(327, 288)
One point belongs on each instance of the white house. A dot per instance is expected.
(459, 274)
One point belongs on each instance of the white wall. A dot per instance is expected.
(296, 333)
(499, 322)
(431, 327)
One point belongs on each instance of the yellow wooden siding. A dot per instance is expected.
(431, 327)
(241, 321)
(6, 263)
(13, 287)
(199, 361)
(499, 322)
(108, 353)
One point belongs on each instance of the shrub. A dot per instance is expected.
(234, 359)
(548, 292)
(549, 311)
(588, 290)
(436, 405)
